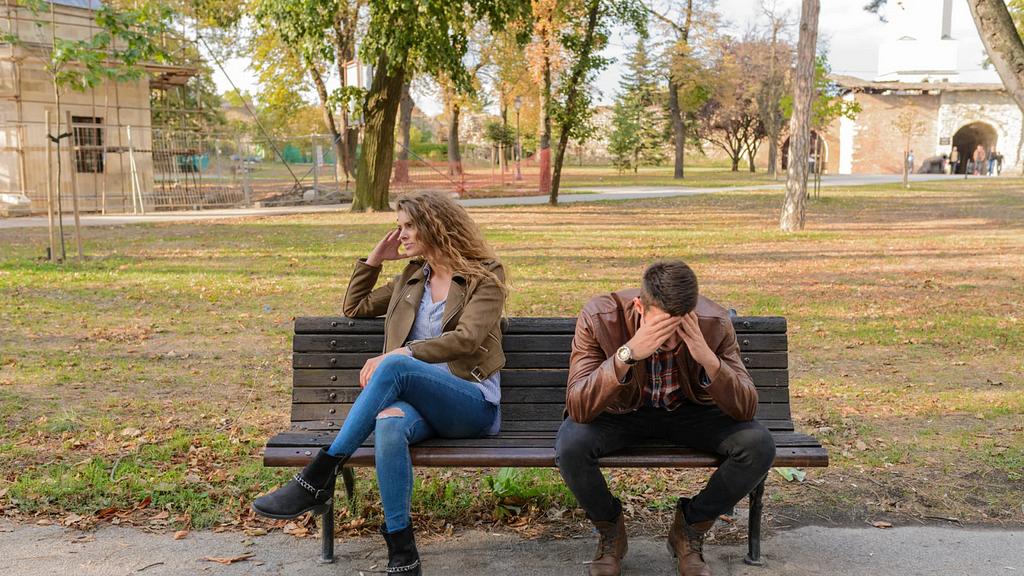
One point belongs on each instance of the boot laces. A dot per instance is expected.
(609, 540)
(695, 541)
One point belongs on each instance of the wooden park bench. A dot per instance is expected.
(329, 352)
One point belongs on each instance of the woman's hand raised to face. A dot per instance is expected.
(387, 249)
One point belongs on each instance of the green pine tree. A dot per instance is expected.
(638, 126)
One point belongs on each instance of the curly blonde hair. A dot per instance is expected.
(449, 235)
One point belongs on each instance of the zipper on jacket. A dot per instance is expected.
(462, 305)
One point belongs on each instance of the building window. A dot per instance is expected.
(89, 144)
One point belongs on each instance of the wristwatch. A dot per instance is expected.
(625, 354)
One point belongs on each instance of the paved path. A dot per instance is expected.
(602, 193)
(906, 551)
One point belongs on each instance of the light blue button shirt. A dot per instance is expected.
(428, 325)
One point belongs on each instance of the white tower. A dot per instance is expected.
(918, 47)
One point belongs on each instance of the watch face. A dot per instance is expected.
(624, 354)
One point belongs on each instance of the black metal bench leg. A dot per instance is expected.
(753, 557)
(327, 536)
(349, 478)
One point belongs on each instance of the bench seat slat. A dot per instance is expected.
(511, 439)
(674, 457)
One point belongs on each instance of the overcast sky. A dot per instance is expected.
(853, 37)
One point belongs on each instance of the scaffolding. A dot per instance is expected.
(101, 117)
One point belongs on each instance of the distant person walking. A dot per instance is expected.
(954, 160)
(999, 163)
(992, 161)
(979, 160)
(910, 162)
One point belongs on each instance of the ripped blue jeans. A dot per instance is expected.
(408, 401)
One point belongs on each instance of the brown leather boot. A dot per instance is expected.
(686, 542)
(610, 549)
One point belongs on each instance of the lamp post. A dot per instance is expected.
(519, 150)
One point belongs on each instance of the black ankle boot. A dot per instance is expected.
(311, 490)
(402, 555)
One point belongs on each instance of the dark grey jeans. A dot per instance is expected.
(748, 447)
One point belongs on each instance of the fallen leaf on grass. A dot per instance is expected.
(229, 560)
(861, 445)
(881, 524)
(180, 534)
(161, 516)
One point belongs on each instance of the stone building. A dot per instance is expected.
(100, 117)
(950, 114)
(917, 75)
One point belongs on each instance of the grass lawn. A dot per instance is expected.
(146, 379)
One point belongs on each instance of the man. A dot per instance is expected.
(979, 160)
(660, 362)
(992, 161)
(954, 159)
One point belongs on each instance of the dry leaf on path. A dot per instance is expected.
(180, 534)
(229, 560)
(881, 524)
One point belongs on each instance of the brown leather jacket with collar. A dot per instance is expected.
(609, 321)
(470, 342)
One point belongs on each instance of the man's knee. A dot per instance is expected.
(754, 447)
(574, 446)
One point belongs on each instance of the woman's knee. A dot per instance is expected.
(390, 427)
(393, 366)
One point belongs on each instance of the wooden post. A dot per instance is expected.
(72, 168)
(49, 188)
(136, 187)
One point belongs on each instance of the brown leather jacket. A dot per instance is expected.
(470, 342)
(609, 321)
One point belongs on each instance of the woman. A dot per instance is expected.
(438, 375)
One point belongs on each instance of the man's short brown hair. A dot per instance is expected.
(669, 285)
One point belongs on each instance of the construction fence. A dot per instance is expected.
(137, 169)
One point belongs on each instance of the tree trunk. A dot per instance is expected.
(404, 126)
(795, 203)
(906, 167)
(379, 111)
(736, 162)
(1002, 43)
(773, 155)
(544, 145)
(571, 100)
(454, 159)
(750, 160)
(678, 128)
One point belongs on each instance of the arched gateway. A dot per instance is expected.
(967, 139)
